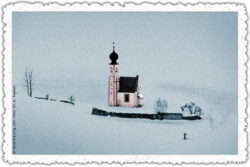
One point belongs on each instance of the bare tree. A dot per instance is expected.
(31, 81)
(28, 78)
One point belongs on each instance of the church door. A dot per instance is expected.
(126, 98)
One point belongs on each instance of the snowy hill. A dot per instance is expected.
(48, 127)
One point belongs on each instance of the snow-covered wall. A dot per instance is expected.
(133, 99)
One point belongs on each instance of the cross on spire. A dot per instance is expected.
(113, 46)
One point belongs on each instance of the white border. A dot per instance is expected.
(121, 159)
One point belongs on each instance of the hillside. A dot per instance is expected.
(47, 127)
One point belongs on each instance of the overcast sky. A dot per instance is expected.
(195, 48)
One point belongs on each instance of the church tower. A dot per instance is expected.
(113, 78)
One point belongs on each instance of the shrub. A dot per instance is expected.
(192, 108)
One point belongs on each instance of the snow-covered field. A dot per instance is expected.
(47, 127)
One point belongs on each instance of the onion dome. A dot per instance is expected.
(113, 56)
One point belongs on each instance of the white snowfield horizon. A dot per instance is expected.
(61, 128)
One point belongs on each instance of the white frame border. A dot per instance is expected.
(121, 159)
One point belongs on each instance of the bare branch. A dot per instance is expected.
(28, 78)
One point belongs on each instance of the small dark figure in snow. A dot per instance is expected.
(47, 97)
(185, 136)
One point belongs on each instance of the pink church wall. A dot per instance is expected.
(132, 100)
(113, 87)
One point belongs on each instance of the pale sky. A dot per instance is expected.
(192, 48)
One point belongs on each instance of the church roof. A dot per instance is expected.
(128, 84)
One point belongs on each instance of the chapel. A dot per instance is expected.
(122, 91)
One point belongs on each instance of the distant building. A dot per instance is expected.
(123, 91)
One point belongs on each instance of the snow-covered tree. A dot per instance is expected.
(191, 108)
(160, 106)
(197, 110)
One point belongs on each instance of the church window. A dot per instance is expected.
(126, 98)
(116, 69)
(111, 69)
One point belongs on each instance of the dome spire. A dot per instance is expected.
(113, 56)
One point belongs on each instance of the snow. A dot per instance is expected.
(140, 96)
(52, 127)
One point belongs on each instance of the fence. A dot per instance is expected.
(161, 116)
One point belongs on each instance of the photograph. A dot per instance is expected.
(125, 82)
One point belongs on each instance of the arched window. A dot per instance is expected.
(111, 69)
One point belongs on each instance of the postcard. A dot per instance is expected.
(156, 83)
